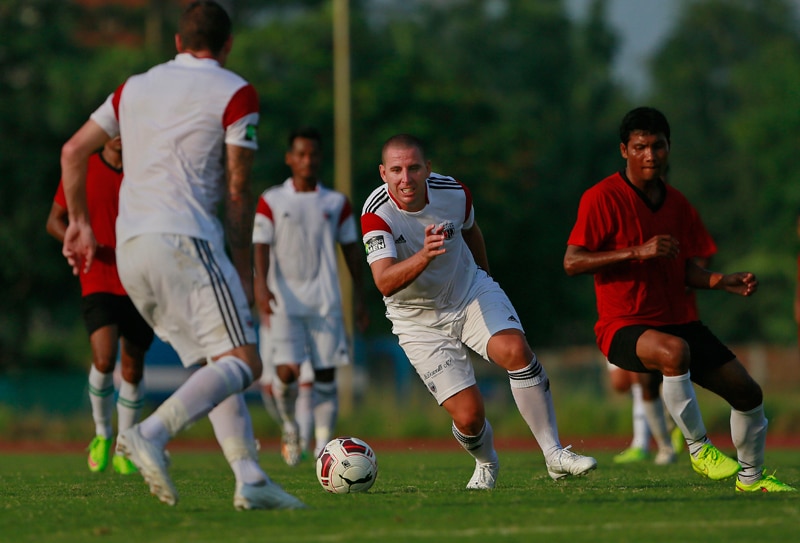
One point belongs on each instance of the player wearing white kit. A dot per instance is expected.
(428, 259)
(189, 127)
(298, 225)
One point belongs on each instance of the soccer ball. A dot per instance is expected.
(347, 464)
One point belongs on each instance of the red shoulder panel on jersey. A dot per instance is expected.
(468, 195)
(346, 212)
(262, 208)
(371, 222)
(244, 102)
(116, 98)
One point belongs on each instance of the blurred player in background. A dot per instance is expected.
(298, 225)
(112, 321)
(189, 127)
(638, 237)
(428, 259)
(304, 410)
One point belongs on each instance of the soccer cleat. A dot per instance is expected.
(712, 463)
(122, 465)
(264, 495)
(631, 455)
(678, 442)
(99, 452)
(290, 448)
(484, 477)
(767, 483)
(565, 462)
(151, 461)
(665, 456)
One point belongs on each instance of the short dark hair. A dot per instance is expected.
(643, 119)
(305, 132)
(403, 140)
(204, 25)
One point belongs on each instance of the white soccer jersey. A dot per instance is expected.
(302, 229)
(388, 231)
(173, 120)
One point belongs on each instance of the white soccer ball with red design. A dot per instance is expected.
(347, 464)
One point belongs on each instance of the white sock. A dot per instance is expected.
(268, 399)
(101, 398)
(749, 434)
(206, 388)
(679, 397)
(326, 410)
(641, 431)
(233, 429)
(481, 446)
(129, 404)
(531, 390)
(285, 400)
(654, 413)
(304, 414)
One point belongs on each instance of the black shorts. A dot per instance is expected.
(707, 352)
(104, 309)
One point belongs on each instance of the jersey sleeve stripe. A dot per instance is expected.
(262, 208)
(347, 211)
(371, 222)
(244, 102)
(116, 98)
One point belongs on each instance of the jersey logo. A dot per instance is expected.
(375, 244)
(447, 229)
(250, 132)
(401, 239)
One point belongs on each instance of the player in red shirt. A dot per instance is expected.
(638, 236)
(110, 317)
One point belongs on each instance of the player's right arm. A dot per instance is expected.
(263, 295)
(79, 241)
(579, 260)
(391, 275)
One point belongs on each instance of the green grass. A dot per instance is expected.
(419, 496)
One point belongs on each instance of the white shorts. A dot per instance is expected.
(320, 339)
(266, 348)
(189, 292)
(443, 347)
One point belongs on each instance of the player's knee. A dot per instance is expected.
(509, 350)
(673, 356)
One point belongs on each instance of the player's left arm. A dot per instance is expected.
(239, 211)
(742, 283)
(57, 222)
(473, 237)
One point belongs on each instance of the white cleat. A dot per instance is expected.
(484, 477)
(264, 495)
(291, 451)
(665, 456)
(565, 462)
(151, 461)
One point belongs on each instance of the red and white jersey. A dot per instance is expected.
(175, 120)
(302, 230)
(102, 195)
(390, 232)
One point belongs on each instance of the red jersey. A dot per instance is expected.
(102, 199)
(613, 214)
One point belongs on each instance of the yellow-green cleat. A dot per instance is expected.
(768, 483)
(99, 452)
(123, 466)
(712, 463)
(631, 455)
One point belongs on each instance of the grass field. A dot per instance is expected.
(419, 496)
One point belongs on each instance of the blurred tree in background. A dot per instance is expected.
(515, 99)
